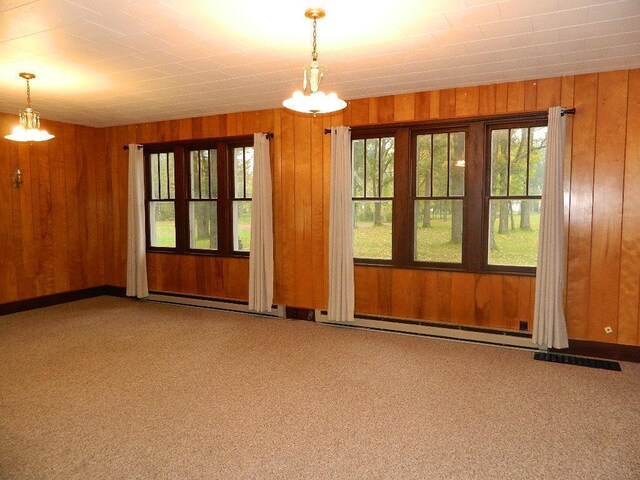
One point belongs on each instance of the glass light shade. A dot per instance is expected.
(21, 134)
(317, 102)
(29, 128)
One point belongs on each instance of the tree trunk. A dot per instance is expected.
(525, 216)
(426, 214)
(511, 217)
(456, 222)
(492, 221)
(377, 214)
(203, 224)
(503, 226)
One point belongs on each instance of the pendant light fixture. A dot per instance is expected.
(311, 99)
(29, 128)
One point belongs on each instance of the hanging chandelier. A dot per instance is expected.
(29, 128)
(311, 99)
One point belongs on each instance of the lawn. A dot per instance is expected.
(166, 236)
(518, 247)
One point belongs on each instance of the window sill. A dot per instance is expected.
(198, 253)
(443, 268)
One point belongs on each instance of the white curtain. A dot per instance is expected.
(136, 241)
(341, 290)
(261, 252)
(549, 326)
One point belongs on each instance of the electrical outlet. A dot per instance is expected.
(524, 325)
(608, 330)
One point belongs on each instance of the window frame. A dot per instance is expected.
(367, 135)
(181, 150)
(475, 200)
(413, 160)
(488, 196)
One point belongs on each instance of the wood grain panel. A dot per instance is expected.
(463, 298)
(515, 96)
(530, 95)
(422, 106)
(548, 93)
(359, 110)
(581, 206)
(629, 302)
(288, 226)
(467, 101)
(608, 181)
(44, 244)
(501, 98)
(487, 100)
(318, 241)
(403, 107)
(401, 292)
(448, 103)
(302, 210)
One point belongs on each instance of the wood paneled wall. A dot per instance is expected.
(53, 234)
(603, 171)
(603, 151)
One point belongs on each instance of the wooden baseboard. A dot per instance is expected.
(610, 351)
(58, 298)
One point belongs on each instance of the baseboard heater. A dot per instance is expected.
(210, 302)
(432, 329)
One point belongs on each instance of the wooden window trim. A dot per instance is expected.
(476, 193)
(224, 201)
(487, 196)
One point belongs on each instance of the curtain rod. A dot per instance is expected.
(567, 111)
(268, 134)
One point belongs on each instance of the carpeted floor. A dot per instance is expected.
(111, 388)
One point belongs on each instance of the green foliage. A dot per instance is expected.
(518, 247)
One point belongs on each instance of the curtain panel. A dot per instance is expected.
(549, 325)
(136, 235)
(341, 284)
(261, 249)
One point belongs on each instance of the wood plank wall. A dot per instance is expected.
(604, 220)
(603, 286)
(53, 234)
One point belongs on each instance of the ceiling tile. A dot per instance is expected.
(120, 61)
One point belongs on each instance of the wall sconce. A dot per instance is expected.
(16, 178)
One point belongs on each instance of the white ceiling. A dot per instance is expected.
(112, 62)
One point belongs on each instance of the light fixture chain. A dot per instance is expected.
(28, 94)
(314, 54)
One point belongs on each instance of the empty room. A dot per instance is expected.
(320, 239)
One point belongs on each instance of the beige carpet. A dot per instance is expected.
(117, 389)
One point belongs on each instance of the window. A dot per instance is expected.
(438, 202)
(450, 195)
(243, 181)
(199, 196)
(203, 199)
(161, 213)
(516, 175)
(372, 161)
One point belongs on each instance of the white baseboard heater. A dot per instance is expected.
(440, 330)
(210, 302)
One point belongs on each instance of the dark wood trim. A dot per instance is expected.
(611, 351)
(58, 298)
(453, 122)
(200, 143)
(402, 222)
(224, 202)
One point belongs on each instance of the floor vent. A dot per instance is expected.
(580, 361)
